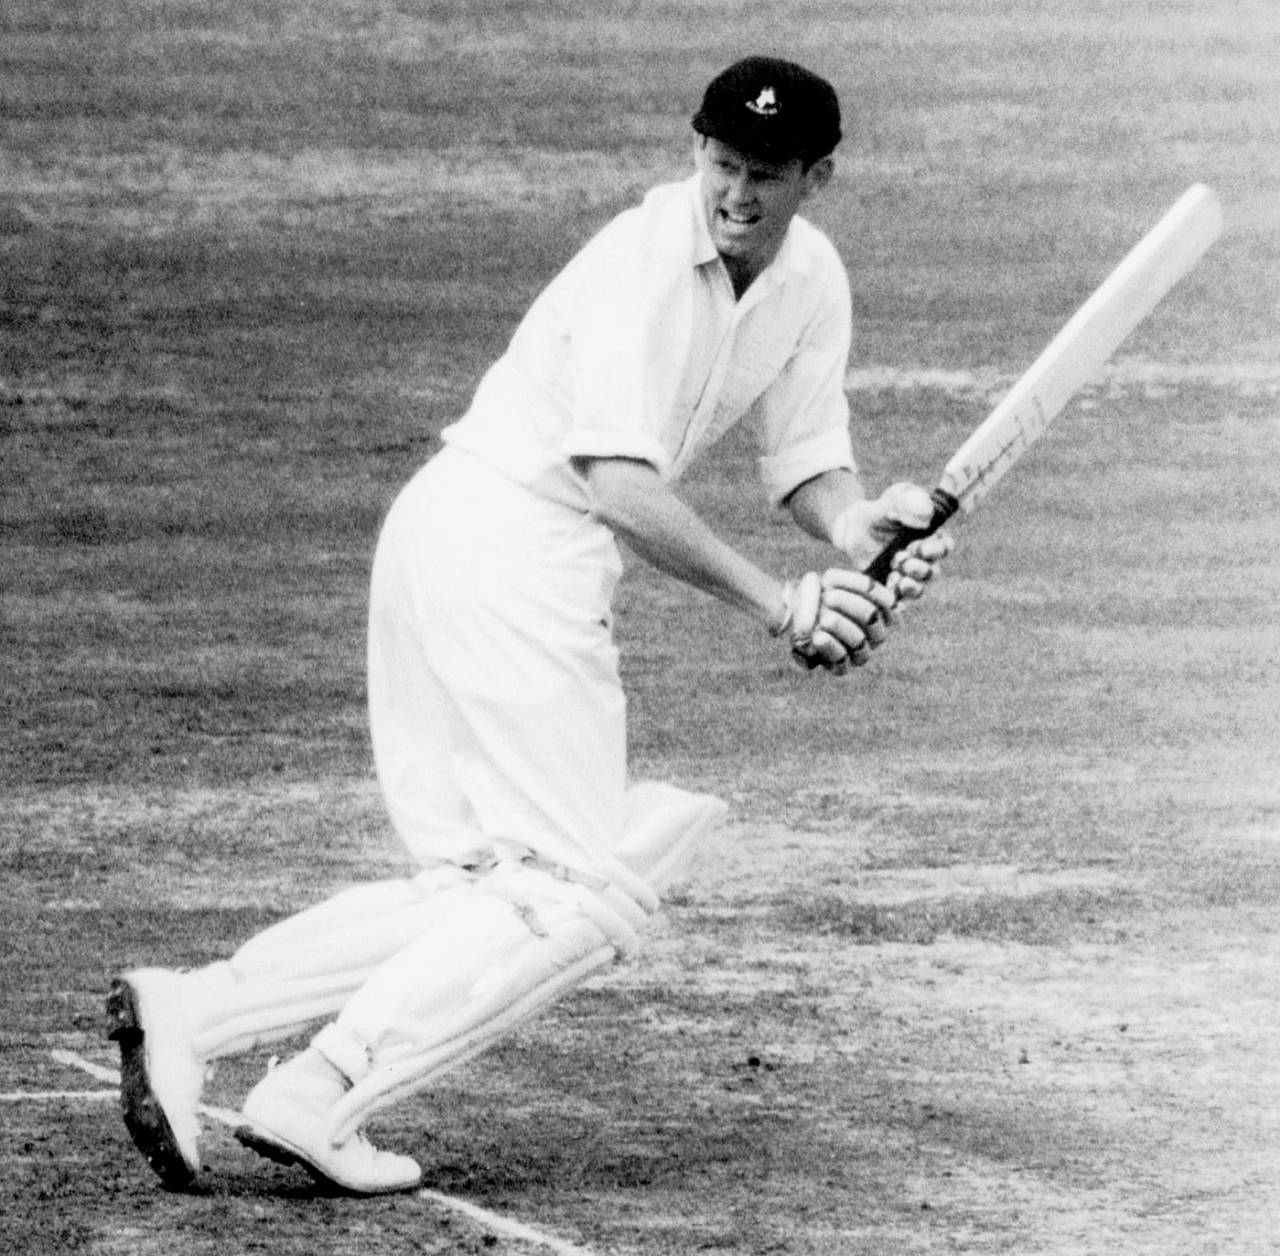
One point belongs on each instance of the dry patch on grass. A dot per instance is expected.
(165, 188)
(1068, 1094)
(969, 881)
(1148, 379)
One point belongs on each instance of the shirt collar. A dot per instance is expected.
(704, 250)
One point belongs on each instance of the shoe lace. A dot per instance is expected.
(365, 1146)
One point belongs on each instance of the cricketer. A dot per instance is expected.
(496, 711)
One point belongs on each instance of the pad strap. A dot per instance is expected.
(352, 1057)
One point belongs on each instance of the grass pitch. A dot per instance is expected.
(985, 962)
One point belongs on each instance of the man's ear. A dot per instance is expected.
(819, 175)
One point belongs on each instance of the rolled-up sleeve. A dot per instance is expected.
(802, 419)
(618, 401)
(624, 312)
(783, 473)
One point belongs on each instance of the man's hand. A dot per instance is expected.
(836, 619)
(863, 529)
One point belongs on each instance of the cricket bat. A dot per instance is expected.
(1157, 262)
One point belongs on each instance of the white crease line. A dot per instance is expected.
(45, 1096)
(490, 1220)
(501, 1225)
(87, 1066)
(223, 1116)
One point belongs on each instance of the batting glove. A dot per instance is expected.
(862, 530)
(834, 620)
(917, 564)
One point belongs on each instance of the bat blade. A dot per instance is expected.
(1163, 257)
(1154, 266)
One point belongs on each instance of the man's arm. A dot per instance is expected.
(819, 502)
(632, 499)
(833, 507)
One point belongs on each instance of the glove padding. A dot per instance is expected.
(836, 619)
(865, 528)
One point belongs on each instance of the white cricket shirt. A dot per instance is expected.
(638, 348)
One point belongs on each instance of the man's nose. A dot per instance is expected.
(740, 188)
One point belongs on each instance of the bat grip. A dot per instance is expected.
(944, 506)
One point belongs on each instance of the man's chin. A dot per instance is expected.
(735, 244)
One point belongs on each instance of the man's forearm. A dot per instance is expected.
(632, 499)
(816, 503)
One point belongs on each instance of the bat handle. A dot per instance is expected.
(944, 506)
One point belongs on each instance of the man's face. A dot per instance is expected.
(749, 203)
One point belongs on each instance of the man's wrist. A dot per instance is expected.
(783, 621)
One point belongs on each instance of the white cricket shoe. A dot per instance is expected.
(288, 1118)
(160, 1074)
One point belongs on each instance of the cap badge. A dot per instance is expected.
(766, 104)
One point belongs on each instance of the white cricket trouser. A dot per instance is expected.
(495, 703)
(498, 725)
